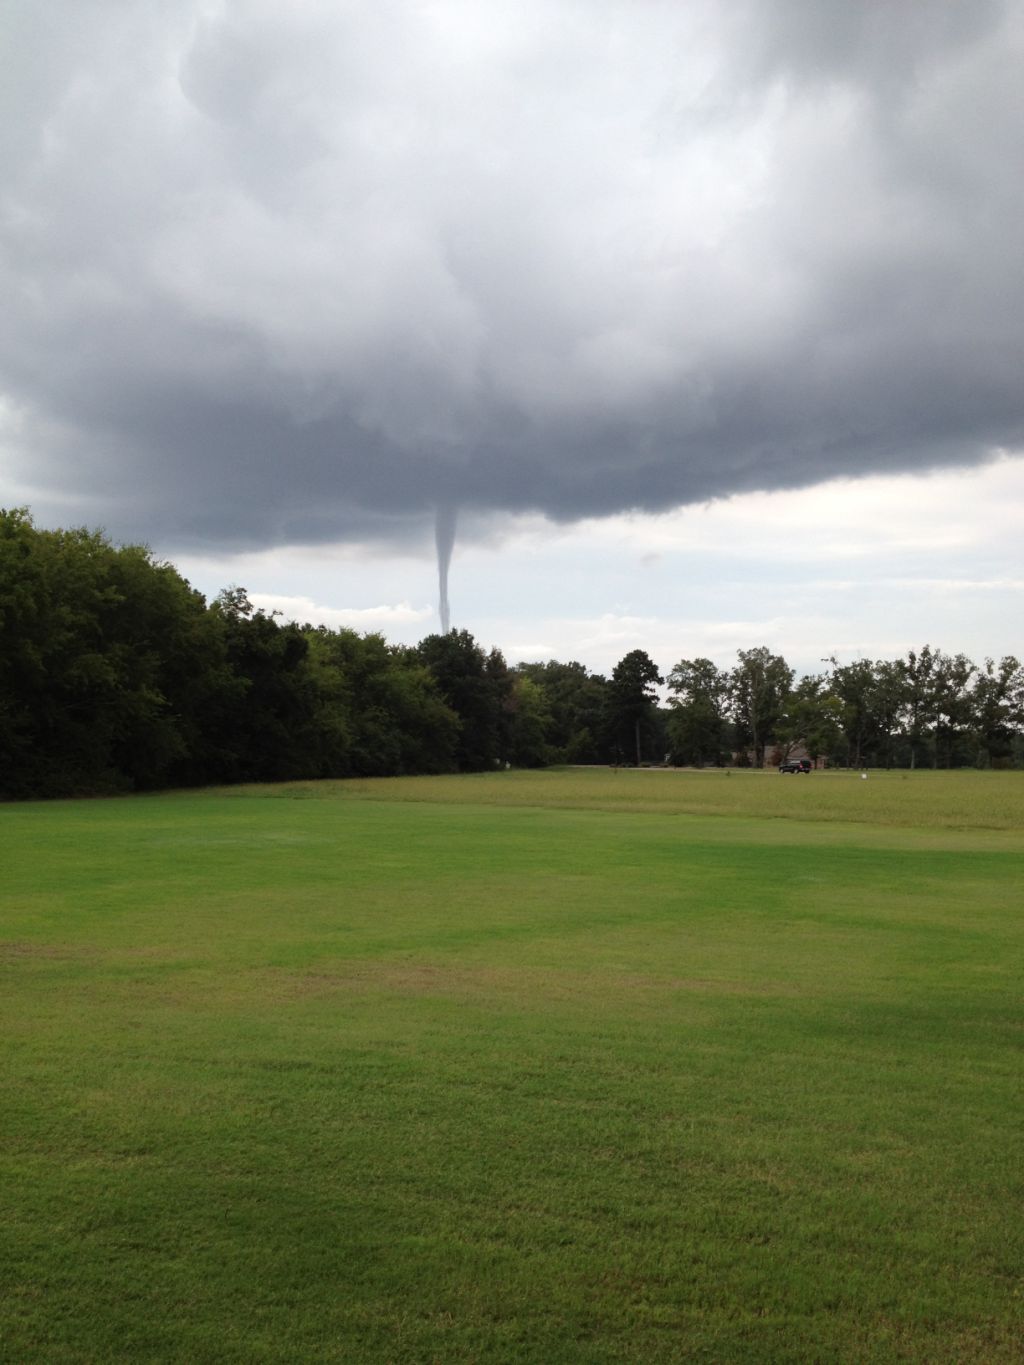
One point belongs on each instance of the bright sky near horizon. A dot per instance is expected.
(708, 319)
(869, 568)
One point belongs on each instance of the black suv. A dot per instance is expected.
(795, 765)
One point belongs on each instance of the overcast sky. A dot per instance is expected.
(708, 318)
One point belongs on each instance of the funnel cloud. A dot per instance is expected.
(304, 274)
(444, 535)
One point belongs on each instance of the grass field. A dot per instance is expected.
(566, 1066)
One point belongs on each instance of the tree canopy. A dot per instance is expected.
(116, 675)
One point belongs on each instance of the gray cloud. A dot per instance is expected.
(303, 273)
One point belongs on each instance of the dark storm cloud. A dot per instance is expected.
(304, 273)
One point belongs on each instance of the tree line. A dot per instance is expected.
(927, 709)
(117, 675)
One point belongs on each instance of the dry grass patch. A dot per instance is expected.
(961, 800)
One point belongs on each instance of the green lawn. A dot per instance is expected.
(567, 1066)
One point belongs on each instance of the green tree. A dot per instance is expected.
(917, 669)
(631, 703)
(471, 687)
(997, 710)
(575, 701)
(381, 712)
(698, 720)
(856, 685)
(106, 657)
(889, 698)
(501, 689)
(812, 715)
(950, 706)
(266, 728)
(760, 683)
(531, 724)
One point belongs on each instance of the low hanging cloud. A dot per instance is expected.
(306, 273)
(305, 609)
